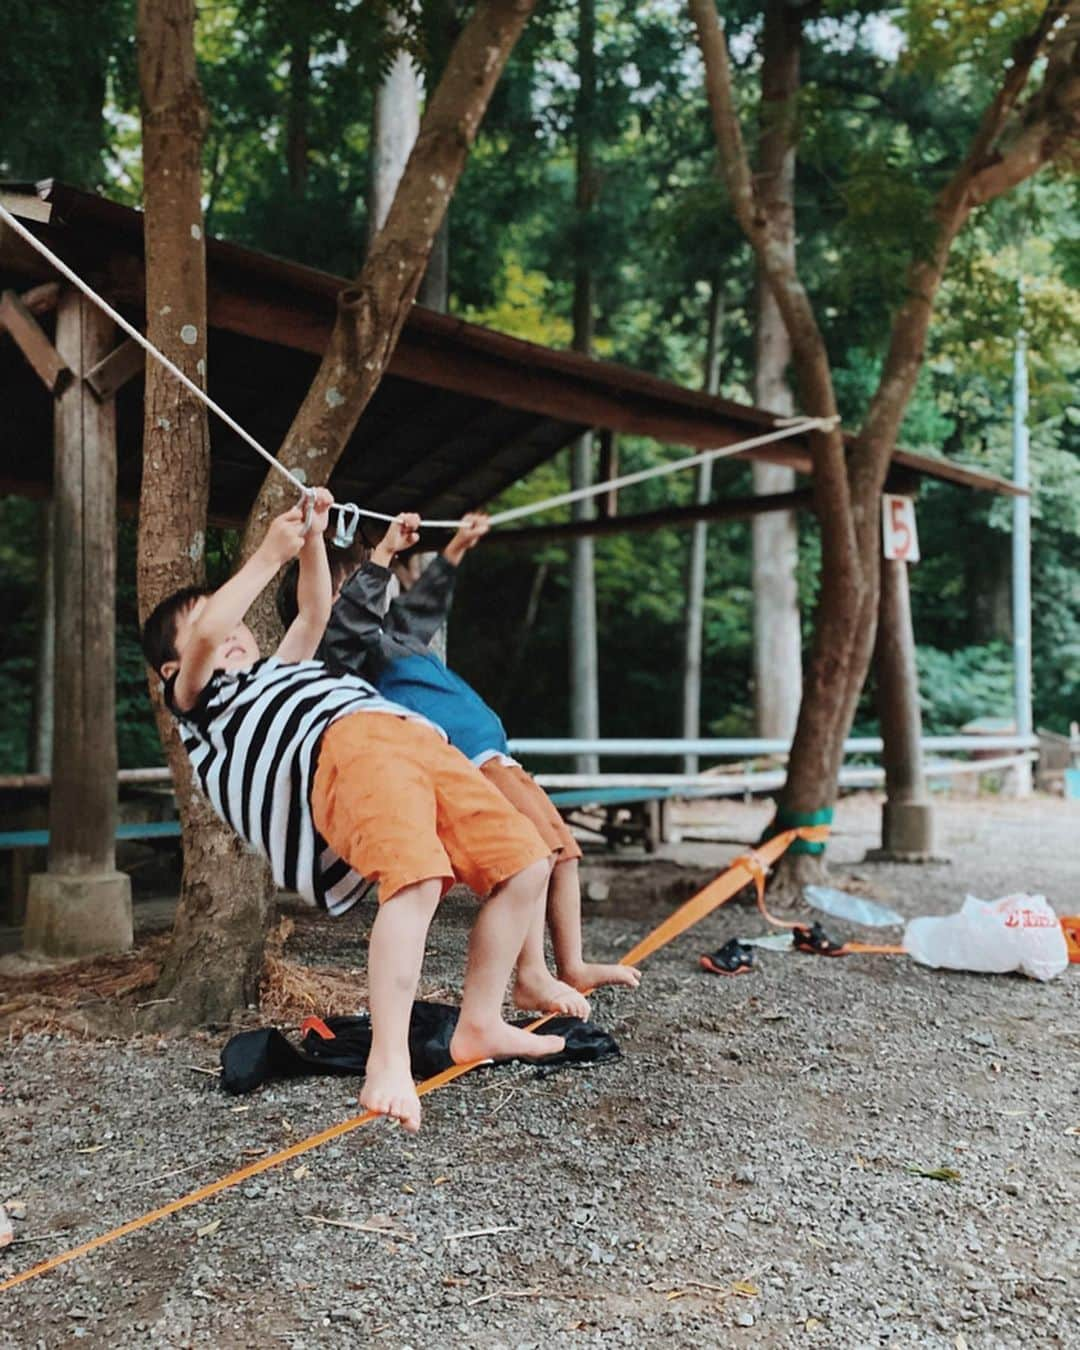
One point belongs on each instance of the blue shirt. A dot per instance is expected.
(423, 684)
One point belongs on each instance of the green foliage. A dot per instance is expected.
(958, 686)
(58, 63)
(890, 98)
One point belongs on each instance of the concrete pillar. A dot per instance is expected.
(82, 904)
(907, 826)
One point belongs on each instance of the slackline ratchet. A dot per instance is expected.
(348, 512)
(745, 870)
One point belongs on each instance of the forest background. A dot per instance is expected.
(890, 95)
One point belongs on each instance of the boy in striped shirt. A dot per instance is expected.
(388, 642)
(332, 784)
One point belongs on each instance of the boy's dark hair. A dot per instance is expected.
(159, 630)
(343, 563)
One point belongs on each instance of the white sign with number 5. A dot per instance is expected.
(899, 537)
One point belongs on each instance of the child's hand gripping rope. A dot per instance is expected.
(473, 528)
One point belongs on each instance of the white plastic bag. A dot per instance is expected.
(1020, 932)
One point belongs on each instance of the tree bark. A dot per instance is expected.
(394, 129)
(694, 628)
(847, 490)
(372, 311)
(214, 962)
(298, 112)
(777, 632)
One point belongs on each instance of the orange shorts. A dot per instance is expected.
(401, 806)
(522, 791)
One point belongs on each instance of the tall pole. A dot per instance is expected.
(775, 538)
(1021, 558)
(699, 545)
(584, 662)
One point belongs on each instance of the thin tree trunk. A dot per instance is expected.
(214, 962)
(521, 642)
(777, 635)
(693, 634)
(394, 129)
(297, 114)
(584, 657)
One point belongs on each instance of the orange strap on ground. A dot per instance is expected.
(741, 873)
(873, 949)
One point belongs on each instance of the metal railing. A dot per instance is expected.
(743, 747)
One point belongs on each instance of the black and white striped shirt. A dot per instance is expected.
(252, 739)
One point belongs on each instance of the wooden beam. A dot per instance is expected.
(734, 508)
(41, 299)
(113, 371)
(446, 354)
(33, 342)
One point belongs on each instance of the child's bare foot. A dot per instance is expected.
(590, 975)
(389, 1089)
(499, 1040)
(541, 991)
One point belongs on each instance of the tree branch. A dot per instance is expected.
(1051, 119)
(372, 312)
(810, 358)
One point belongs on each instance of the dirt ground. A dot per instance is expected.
(742, 1177)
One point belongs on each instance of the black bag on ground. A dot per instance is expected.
(253, 1057)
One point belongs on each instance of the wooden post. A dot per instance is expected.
(907, 828)
(82, 904)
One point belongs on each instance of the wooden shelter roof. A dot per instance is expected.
(462, 412)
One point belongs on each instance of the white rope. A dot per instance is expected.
(796, 427)
(785, 427)
(147, 346)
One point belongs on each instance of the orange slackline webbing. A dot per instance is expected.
(757, 863)
(873, 949)
(742, 871)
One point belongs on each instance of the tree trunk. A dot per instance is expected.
(372, 311)
(693, 633)
(214, 962)
(394, 129)
(299, 107)
(584, 657)
(777, 632)
(847, 489)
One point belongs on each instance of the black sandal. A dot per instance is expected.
(816, 942)
(733, 958)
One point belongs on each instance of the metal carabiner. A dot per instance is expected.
(347, 521)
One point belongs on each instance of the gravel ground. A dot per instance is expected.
(741, 1178)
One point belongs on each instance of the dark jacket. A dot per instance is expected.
(391, 651)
